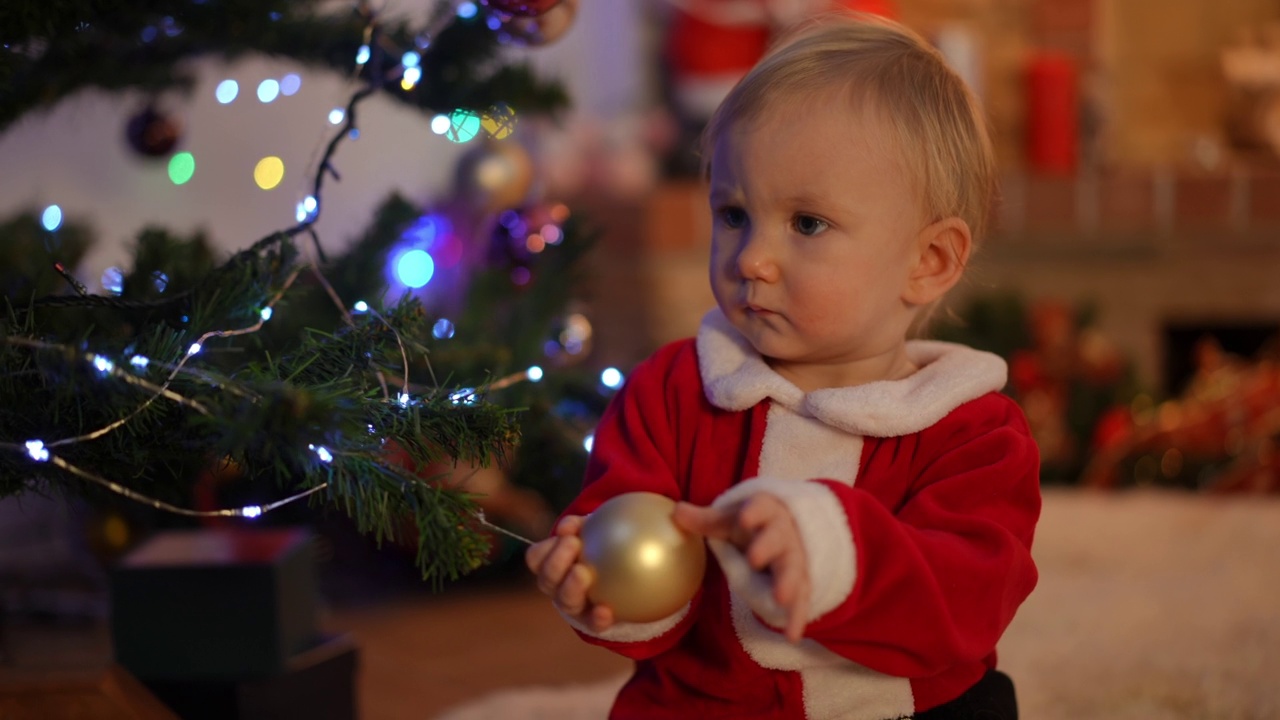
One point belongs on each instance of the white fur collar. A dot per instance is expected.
(736, 378)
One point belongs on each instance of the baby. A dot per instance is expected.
(870, 500)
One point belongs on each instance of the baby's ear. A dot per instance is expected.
(942, 254)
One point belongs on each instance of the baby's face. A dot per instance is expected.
(815, 223)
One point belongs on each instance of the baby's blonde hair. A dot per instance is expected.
(937, 122)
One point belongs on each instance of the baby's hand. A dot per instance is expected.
(566, 580)
(762, 528)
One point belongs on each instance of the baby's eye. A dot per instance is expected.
(733, 217)
(809, 225)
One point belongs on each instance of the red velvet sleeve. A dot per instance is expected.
(636, 449)
(939, 578)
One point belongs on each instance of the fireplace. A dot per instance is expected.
(1188, 345)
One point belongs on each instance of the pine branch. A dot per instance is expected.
(144, 393)
(58, 50)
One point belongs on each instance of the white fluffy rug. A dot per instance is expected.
(1151, 606)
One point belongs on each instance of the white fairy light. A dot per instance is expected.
(35, 448)
(611, 378)
(322, 452)
(102, 364)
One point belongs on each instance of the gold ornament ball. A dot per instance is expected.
(496, 176)
(645, 568)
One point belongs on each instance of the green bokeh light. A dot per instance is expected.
(181, 167)
(463, 125)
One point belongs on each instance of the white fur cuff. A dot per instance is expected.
(628, 631)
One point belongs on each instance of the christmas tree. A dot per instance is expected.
(292, 372)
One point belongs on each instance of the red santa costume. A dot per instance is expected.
(916, 500)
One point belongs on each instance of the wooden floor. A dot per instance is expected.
(1150, 606)
(419, 652)
(422, 655)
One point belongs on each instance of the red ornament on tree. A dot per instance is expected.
(528, 8)
(544, 29)
(151, 133)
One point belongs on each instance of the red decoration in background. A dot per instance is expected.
(151, 133)
(711, 44)
(528, 8)
(1053, 114)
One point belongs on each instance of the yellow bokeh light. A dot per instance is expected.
(269, 172)
(499, 121)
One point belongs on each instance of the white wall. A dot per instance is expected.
(76, 156)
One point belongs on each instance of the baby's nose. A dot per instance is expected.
(756, 260)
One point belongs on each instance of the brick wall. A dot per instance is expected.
(1152, 66)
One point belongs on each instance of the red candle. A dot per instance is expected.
(1053, 114)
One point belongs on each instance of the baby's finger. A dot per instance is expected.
(600, 618)
(708, 521)
(791, 590)
(571, 596)
(557, 564)
(569, 525)
(769, 545)
(796, 621)
(760, 510)
(537, 554)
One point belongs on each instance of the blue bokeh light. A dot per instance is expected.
(443, 329)
(268, 90)
(426, 231)
(290, 84)
(113, 280)
(227, 91)
(51, 218)
(415, 268)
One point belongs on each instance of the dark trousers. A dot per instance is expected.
(991, 698)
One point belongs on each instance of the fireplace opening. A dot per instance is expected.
(1186, 346)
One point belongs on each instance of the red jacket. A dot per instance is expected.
(916, 501)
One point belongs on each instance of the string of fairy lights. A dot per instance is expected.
(458, 126)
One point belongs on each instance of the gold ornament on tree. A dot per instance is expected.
(643, 566)
(495, 176)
